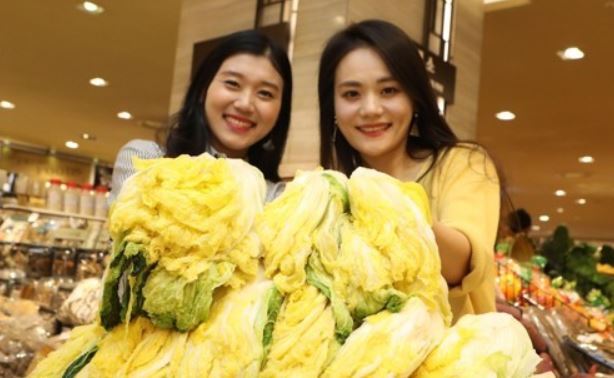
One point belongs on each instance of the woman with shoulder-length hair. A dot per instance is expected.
(238, 105)
(378, 110)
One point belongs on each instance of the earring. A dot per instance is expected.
(334, 138)
(268, 145)
(413, 130)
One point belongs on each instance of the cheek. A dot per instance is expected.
(345, 113)
(270, 112)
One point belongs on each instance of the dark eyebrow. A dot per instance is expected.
(241, 76)
(353, 83)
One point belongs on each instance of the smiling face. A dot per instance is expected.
(242, 103)
(373, 111)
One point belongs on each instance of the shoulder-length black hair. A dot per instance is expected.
(401, 56)
(189, 132)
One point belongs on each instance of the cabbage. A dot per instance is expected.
(303, 338)
(72, 355)
(488, 345)
(389, 344)
(182, 228)
(235, 340)
(286, 226)
(393, 217)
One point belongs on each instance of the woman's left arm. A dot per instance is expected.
(454, 251)
(467, 217)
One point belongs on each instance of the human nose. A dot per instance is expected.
(245, 102)
(371, 106)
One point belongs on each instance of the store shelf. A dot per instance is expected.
(42, 211)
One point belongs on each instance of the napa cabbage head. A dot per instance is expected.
(199, 207)
(138, 349)
(236, 338)
(82, 340)
(303, 340)
(286, 226)
(389, 344)
(394, 218)
(487, 345)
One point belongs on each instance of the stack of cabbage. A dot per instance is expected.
(184, 266)
(352, 288)
(358, 264)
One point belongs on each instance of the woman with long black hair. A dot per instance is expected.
(238, 106)
(378, 110)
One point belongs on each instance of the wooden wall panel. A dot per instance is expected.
(466, 56)
(407, 14)
(317, 21)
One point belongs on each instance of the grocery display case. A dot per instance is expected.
(44, 255)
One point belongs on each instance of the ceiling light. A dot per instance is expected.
(505, 115)
(571, 53)
(71, 144)
(88, 136)
(560, 193)
(124, 115)
(560, 210)
(7, 105)
(544, 218)
(99, 82)
(581, 201)
(535, 227)
(340, 20)
(586, 159)
(90, 7)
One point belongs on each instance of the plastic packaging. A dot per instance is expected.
(86, 200)
(71, 198)
(101, 202)
(55, 197)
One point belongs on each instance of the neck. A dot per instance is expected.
(400, 166)
(217, 148)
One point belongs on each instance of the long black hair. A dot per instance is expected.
(189, 132)
(401, 56)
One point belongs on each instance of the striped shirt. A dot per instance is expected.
(147, 149)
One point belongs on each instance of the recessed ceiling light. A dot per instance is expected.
(124, 115)
(544, 218)
(99, 82)
(536, 227)
(560, 193)
(71, 144)
(90, 7)
(586, 159)
(560, 210)
(581, 201)
(88, 136)
(505, 115)
(571, 53)
(6, 105)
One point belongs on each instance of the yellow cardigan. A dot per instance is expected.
(463, 190)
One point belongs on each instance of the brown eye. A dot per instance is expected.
(389, 91)
(232, 84)
(266, 94)
(350, 95)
